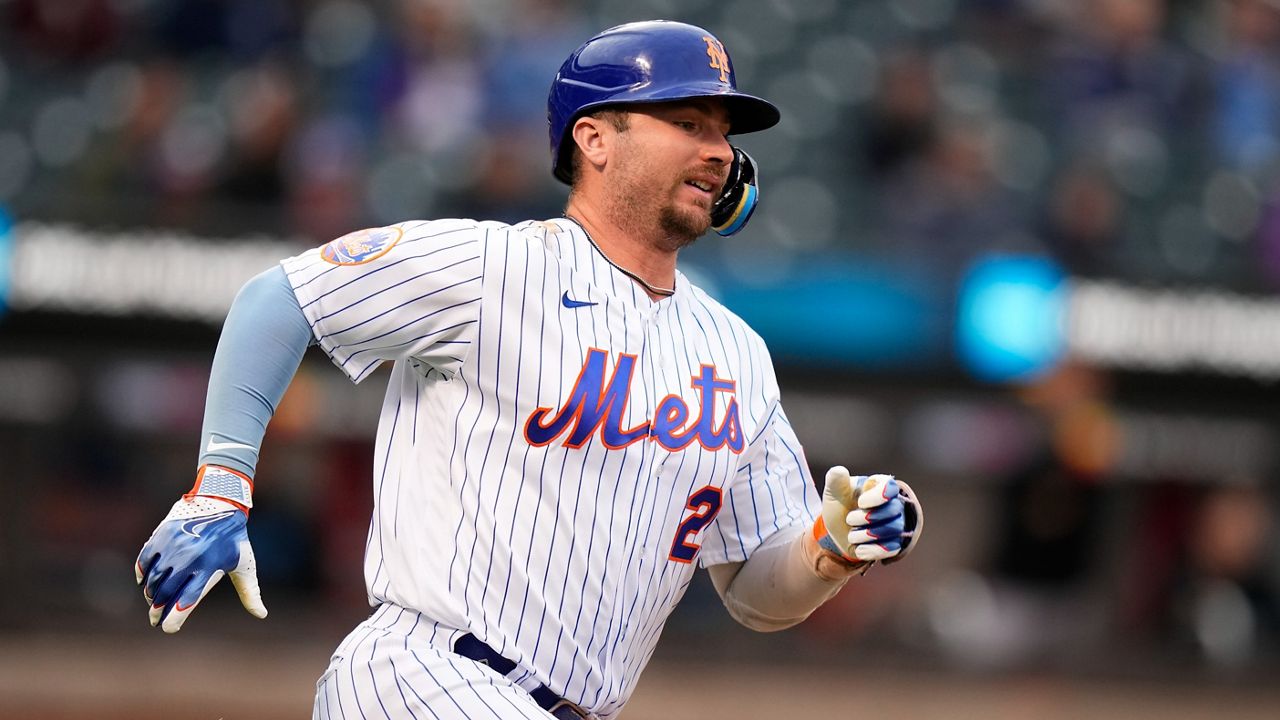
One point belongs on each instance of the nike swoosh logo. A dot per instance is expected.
(194, 526)
(571, 303)
(216, 446)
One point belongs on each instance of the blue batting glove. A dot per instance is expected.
(200, 540)
(868, 518)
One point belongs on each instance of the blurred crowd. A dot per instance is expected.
(279, 116)
(1131, 138)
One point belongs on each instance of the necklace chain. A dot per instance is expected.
(664, 292)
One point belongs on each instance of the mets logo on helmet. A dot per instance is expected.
(361, 246)
(719, 58)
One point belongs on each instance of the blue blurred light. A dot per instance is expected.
(6, 252)
(1010, 321)
(845, 311)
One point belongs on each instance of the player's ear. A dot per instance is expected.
(592, 136)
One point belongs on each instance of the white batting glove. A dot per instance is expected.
(867, 518)
(202, 538)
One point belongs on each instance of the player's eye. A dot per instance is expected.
(686, 125)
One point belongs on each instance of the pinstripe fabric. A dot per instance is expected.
(558, 556)
(399, 664)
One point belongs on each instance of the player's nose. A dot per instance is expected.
(717, 150)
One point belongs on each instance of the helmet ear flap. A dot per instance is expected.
(738, 200)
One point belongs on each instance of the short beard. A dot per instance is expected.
(680, 229)
(677, 228)
(630, 204)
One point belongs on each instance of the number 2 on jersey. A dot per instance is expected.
(705, 504)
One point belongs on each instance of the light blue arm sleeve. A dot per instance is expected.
(263, 340)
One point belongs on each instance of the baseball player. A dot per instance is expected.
(569, 429)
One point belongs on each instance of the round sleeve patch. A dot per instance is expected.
(361, 246)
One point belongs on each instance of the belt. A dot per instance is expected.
(470, 646)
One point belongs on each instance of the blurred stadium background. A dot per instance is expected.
(1025, 253)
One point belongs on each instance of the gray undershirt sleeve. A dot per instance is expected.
(775, 588)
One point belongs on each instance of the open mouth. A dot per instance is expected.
(705, 187)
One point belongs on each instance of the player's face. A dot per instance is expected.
(669, 168)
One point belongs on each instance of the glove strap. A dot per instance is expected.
(224, 483)
(826, 560)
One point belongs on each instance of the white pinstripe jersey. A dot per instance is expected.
(555, 448)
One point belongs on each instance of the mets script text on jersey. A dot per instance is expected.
(594, 405)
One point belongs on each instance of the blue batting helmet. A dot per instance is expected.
(646, 62)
